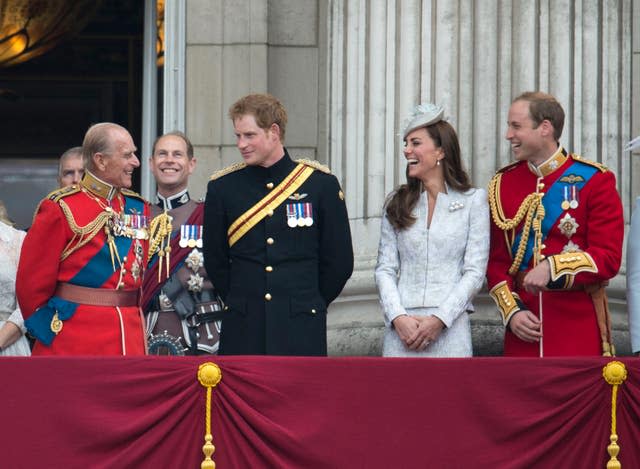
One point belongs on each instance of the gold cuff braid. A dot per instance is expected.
(571, 263)
(505, 300)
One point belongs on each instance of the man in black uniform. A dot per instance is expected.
(277, 242)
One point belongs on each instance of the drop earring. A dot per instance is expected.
(437, 162)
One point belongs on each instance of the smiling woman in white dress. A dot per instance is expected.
(434, 245)
(12, 339)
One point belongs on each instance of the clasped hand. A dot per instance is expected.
(417, 332)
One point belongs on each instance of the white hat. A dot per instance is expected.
(422, 115)
(633, 144)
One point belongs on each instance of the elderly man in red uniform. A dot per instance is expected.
(82, 261)
(556, 239)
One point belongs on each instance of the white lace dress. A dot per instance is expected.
(10, 244)
(435, 271)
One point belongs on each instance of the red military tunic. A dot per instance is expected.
(582, 236)
(68, 244)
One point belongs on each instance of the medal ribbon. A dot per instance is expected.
(279, 194)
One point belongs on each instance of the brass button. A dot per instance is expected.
(268, 268)
(269, 185)
(313, 311)
(267, 297)
(270, 241)
(270, 213)
(226, 308)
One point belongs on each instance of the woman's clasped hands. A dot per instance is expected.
(417, 332)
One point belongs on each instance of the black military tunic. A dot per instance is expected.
(276, 280)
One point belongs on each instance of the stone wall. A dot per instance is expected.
(348, 72)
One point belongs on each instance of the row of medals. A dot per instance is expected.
(572, 202)
(190, 236)
(132, 226)
(299, 214)
(568, 224)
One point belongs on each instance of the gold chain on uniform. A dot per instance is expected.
(531, 210)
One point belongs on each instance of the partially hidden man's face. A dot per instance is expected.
(116, 167)
(71, 171)
(171, 165)
(258, 147)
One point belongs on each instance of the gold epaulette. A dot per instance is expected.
(228, 170)
(130, 193)
(58, 194)
(596, 164)
(508, 167)
(314, 164)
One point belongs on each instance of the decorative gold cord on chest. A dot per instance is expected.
(531, 210)
(81, 234)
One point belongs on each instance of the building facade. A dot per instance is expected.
(349, 71)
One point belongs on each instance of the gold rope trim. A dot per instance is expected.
(160, 240)
(531, 211)
(209, 375)
(615, 374)
(81, 234)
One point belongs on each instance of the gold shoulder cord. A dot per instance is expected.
(530, 208)
(159, 240)
(314, 164)
(81, 234)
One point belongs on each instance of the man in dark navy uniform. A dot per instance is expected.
(277, 242)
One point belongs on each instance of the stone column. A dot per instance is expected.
(472, 57)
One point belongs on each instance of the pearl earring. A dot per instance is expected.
(438, 162)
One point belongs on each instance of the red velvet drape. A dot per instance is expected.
(311, 413)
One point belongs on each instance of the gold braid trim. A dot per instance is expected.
(229, 169)
(530, 208)
(81, 234)
(159, 240)
(314, 164)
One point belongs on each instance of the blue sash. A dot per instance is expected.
(552, 201)
(94, 274)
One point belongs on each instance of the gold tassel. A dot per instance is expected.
(159, 241)
(209, 375)
(614, 373)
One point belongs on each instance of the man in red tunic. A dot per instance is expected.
(82, 261)
(556, 239)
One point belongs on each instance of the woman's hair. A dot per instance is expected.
(400, 204)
